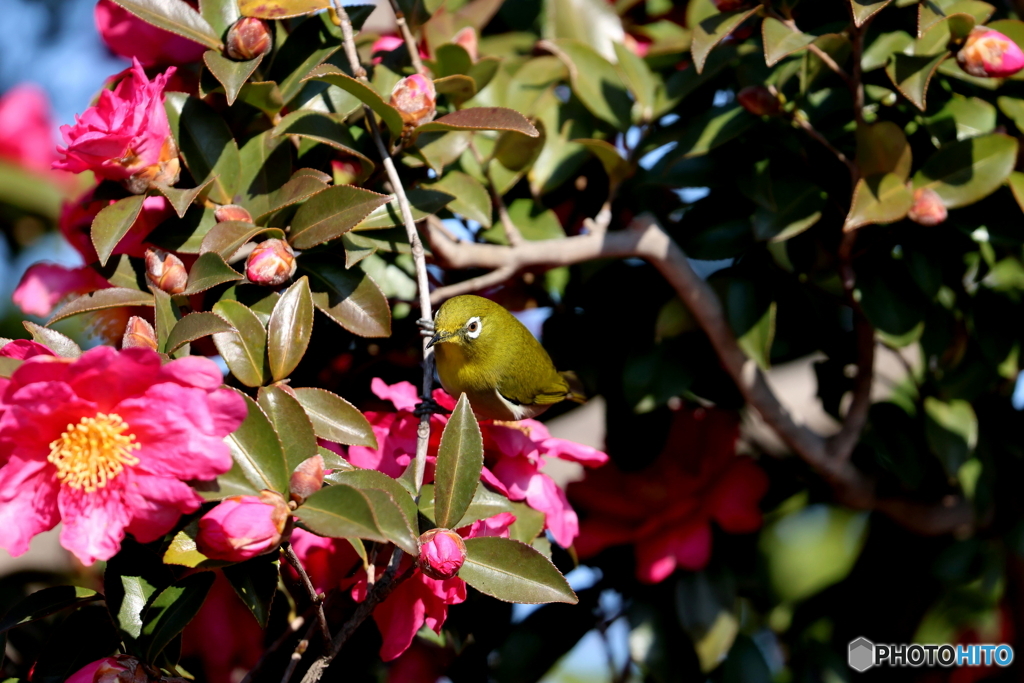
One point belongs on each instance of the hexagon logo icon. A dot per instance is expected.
(861, 656)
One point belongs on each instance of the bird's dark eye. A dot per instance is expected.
(473, 326)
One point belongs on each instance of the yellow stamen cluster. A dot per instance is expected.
(94, 451)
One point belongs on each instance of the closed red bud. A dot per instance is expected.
(272, 263)
(759, 101)
(307, 479)
(990, 53)
(415, 99)
(928, 208)
(346, 171)
(467, 39)
(248, 38)
(165, 271)
(232, 212)
(442, 553)
(139, 334)
(242, 527)
(729, 5)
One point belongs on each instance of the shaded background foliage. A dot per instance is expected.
(759, 203)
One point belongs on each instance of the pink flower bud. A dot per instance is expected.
(990, 53)
(928, 208)
(232, 212)
(346, 171)
(165, 271)
(242, 527)
(272, 263)
(415, 99)
(139, 334)
(307, 479)
(118, 669)
(248, 38)
(467, 39)
(759, 101)
(442, 553)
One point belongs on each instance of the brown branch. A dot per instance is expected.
(475, 284)
(410, 40)
(645, 239)
(813, 132)
(818, 52)
(296, 657)
(314, 597)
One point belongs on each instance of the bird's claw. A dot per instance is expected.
(429, 406)
(426, 327)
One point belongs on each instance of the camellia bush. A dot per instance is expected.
(250, 461)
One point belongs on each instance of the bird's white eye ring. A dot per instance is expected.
(474, 327)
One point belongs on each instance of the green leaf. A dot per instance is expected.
(245, 348)
(181, 199)
(472, 200)
(529, 523)
(422, 202)
(513, 572)
(961, 118)
(535, 223)
(340, 511)
(299, 188)
(220, 14)
(113, 222)
(45, 602)
(184, 235)
(460, 458)
(29, 191)
(225, 238)
(1013, 108)
(63, 346)
(1016, 183)
(964, 172)
(328, 73)
(640, 79)
(172, 610)
(165, 317)
(780, 41)
(865, 9)
(231, 74)
(887, 44)
(750, 311)
(516, 151)
(320, 127)
(257, 450)
(934, 11)
(393, 507)
(309, 45)
(255, 582)
(481, 118)
(291, 325)
(596, 82)
(184, 552)
(712, 129)
(291, 424)
(335, 419)
(911, 75)
(485, 504)
(617, 168)
(349, 297)
(177, 17)
(112, 297)
(195, 326)
(712, 30)
(206, 145)
(264, 95)
(208, 271)
(266, 166)
(457, 88)
(883, 148)
(331, 213)
(879, 199)
(951, 429)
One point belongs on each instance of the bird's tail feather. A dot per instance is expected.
(576, 391)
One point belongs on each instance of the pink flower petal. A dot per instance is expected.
(44, 285)
(93, 523)
(403, 394)
(734, 502)
(28, 502)
(157, 503)
(689, 548)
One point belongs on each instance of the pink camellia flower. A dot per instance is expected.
(271, 263)
(388, 44)
(128, 36)
(514, 454)
(665, 510)
(242, 527)
(466, 37)
(125, 136)
(442, 553)
(26, 131)
(224, 639)
(44, 285)
(105, 444)
(120, 669)
(415, 99)
(928, 208)
(990, 53)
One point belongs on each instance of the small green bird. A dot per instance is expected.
(485, 352)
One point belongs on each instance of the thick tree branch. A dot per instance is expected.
(645, 239)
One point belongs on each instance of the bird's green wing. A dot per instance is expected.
(553, 390)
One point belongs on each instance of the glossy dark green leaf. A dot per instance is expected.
(780, 40)
(264, 95)
(329, 73)
(450, 59)
(393, 508)
(713, 129)
(60, 344)
(184, 235)
(1013, 108)
(879, 199)
(460, 458)
(472, 200)
(112, 297)
(339, 511)
(640, 80)
(320, 127)
(596, 82)
(882, 48)
(882, 147)
(231, 74)
(85, 636)
(181, 199)
(932, 12)
(206, 144)
(45, 602)
(291, 325)
(349, 297)
(485, 504)
(516, 151)
(112, 224)
(951, 429)
(165, 317)
(529, 523)
(961, 118)
(335, 419)
(307, 46)
(183, 550)
(457, 88)
(514, 572)
(172, 610)
(255, 583)
(291, 424)
(225, 238)
(712, 30)
(208, 271)
(244, 349)
(256, 448)
(266, 167)
(220, 14)
(481, 118)
(195, 326)
(176, 16)
(964, 172)
(331, 213)
(865, 9)
(617, 168)
(422, 202)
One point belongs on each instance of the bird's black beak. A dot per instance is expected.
(438, 338)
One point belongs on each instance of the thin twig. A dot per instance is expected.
(818, 52)
(314, 597)
(300, 649)
(410, 40)
(474, 284)
(293, 626)
(813, 132)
